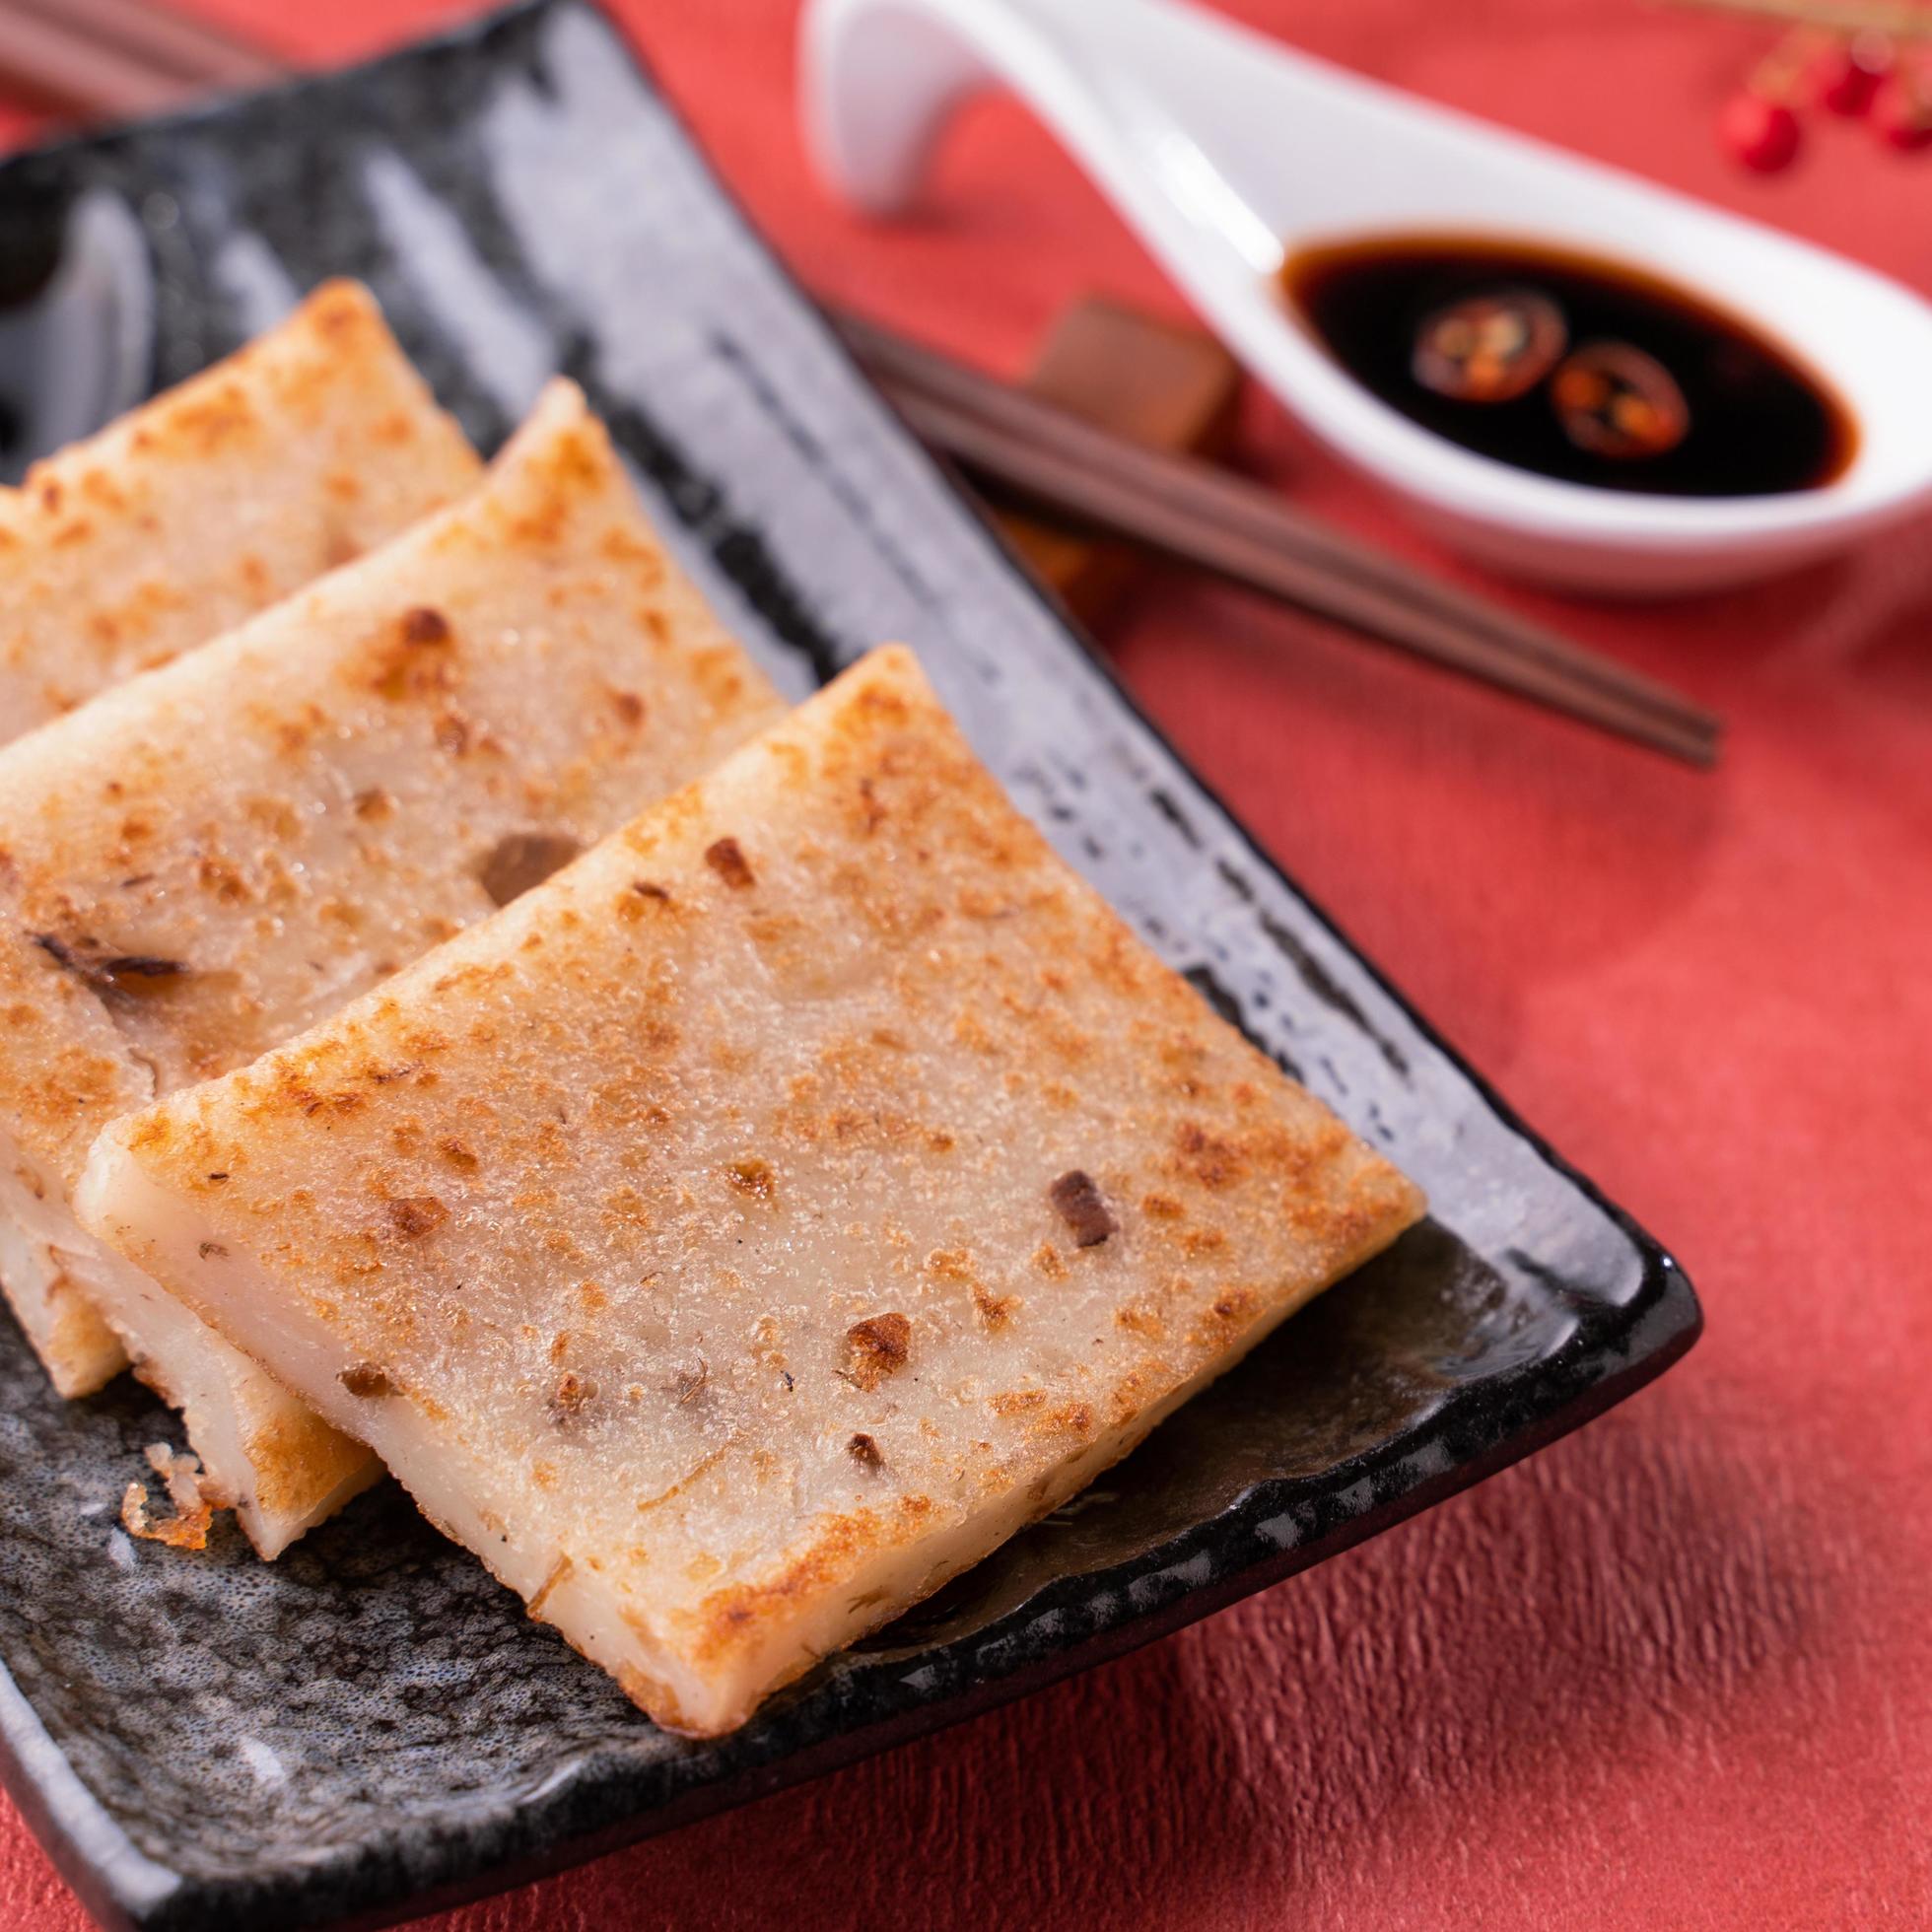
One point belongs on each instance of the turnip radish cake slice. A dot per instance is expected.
(311, 446)
(206, 860)
(755, 1224)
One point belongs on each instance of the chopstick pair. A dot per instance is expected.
(121, 57)
(1191, 510)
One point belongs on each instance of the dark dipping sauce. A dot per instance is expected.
(1748, 421)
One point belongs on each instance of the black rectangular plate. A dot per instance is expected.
(371, 1726)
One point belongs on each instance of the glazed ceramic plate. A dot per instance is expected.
(372, 1726)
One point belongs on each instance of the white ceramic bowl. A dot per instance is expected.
(1226, 152)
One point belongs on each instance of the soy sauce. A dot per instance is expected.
(1749, 419)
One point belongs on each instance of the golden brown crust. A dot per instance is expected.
(876, 1347)
(870, 1188)
(735, 1618)
(295, 1457)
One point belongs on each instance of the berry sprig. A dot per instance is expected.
(1856, 60)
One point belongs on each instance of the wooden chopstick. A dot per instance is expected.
(45, 62)
(1257, 511)
(124, 57)
(1117, 502)
(168, 44)
(1195, 512)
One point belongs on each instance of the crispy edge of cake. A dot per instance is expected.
(843, 1573)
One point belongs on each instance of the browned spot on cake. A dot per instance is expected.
(994, 1310)
(309, 1102)
(971, 1032)
(640, 897)
(752, 1177)
(459, 1155)
(413, 662)
(1162, 1207)
(221, 878)
(1069, 1419)
(878, 1347)
(1230, 1312)
(1131, 1394)
(425, 625)
(1050, 1261)
(338, 310)
(416, 1215)
(571, 1397)
(1214, 1162)
(727, 858)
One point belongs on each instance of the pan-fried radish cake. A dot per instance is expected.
(206, 860)
(759, 1222)
(309, 446)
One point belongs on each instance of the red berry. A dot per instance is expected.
(1762, 134)
(1901, 115)
(1848, 74)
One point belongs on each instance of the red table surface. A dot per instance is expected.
(1677, 1671)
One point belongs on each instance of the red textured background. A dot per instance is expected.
(1677, 1672)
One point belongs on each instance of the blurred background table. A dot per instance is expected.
(1675, 1671)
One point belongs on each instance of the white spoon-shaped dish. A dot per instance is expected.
(1227, 152)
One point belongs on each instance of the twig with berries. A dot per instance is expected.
(1862, 58)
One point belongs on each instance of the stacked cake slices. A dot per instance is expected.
(721, 1161)
(207, 858)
